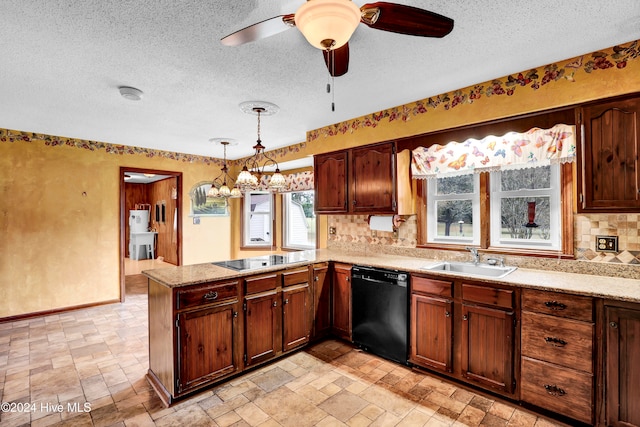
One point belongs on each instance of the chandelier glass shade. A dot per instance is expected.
(252, 171)
(327, 24)
(219, 187)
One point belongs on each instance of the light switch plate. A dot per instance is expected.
(607, 243)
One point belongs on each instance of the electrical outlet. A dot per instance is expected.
(332, 230)
(374, 233)
(607, 243)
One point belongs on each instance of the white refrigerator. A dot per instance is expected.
(141, 240)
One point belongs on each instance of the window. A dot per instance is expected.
(453, 210)
(299, 220)
(525, 212)
(257, 219)
(525, 208)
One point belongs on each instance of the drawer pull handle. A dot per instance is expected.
(554, 390)
(556, 342)
(210, 296)
(555, 305)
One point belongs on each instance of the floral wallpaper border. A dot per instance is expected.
(614, 58)
(12, 136)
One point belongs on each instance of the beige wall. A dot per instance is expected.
(60, 219)
(59, 203)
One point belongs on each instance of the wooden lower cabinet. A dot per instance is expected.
(622, 365)
(195, 336)
(557, 348)
(261, 326)
(321, 301)
(206, 344)
(465, 330)
(341, 301)
(488, 347)
(278, 317)
(431, 320)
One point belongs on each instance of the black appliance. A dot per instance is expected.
(260, 261)
(380, 305)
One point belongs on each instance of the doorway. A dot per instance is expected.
(155, 238)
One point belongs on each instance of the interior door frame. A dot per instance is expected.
(124, 216)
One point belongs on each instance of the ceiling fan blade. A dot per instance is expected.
(260, 30)
(402, 19)
(337, 60)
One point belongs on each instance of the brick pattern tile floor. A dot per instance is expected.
(87, 368)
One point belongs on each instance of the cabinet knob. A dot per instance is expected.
(555, 342)
(286, 301)
(210, 296)
(316, 278)
(555, 305)
(465, 317)
(447, 314)
(275, 303)
(614, 325)
(554, 390)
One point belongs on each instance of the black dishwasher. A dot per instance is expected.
(380, 305)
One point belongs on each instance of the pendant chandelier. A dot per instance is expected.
(219, 187)
(252, 171)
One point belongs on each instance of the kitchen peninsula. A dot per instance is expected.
(208, 323)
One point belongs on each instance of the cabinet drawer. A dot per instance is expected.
(261, 283)
(558, 389)
(563, 341)
(488, 295)
(431, 286)
(295, 277)
(204, 295)
(557, 304)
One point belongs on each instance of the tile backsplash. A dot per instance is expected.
(353, 233)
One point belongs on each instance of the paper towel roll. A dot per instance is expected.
(381, 223)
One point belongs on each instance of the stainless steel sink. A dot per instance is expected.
(471, 269)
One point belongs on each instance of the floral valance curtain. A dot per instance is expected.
(299, 181)
(533, 148)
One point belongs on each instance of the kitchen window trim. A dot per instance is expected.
(285, 214)
(243, 225)
(567, 202)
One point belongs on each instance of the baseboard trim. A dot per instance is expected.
(55, 311)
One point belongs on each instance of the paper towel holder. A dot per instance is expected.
(396, 221)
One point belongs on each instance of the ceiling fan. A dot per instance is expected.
(328, 25)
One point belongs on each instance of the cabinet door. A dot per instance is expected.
(622, 367)
(341, 301)
(373, 180)
(611, 140)
(431, 332)
(296, 329)
(488, 346)
(261, 327)
(206, 345)
(321, 301)
(330, 182)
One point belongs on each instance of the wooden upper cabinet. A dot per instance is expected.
(373, 179)
(364, 180)
(330, 180)
(609, 179)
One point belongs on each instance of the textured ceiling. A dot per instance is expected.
(62, 62)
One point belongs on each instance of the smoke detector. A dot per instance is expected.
(130, 93)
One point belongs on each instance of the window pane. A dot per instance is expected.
(455, 185)
(455, 218)
(525, 218)
(526, 179)
(300, 220)
(258, 219)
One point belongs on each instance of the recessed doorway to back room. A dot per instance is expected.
(150, 220)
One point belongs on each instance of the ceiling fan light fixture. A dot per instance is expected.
(327, 24)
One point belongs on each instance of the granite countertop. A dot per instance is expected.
(583, 284)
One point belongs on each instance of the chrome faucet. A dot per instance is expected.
(474, 253)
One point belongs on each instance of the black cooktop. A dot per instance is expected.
(256, 262)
